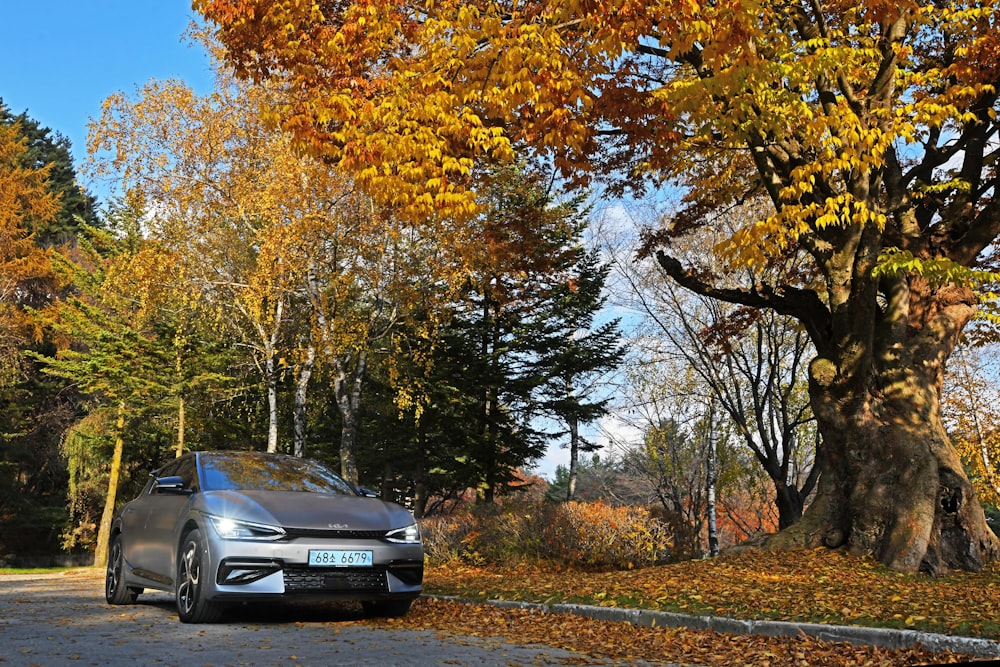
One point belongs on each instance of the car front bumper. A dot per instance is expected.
(250, 569)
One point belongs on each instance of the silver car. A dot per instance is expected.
(220, 527)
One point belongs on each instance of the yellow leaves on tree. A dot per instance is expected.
(24, 267)
(409, 96)
(281, 247)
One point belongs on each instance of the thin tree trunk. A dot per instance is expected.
(111, 499)
(419, 481)
(713, 533)
(181, 413)
(347, 388)
(271, 373)
(272, 404)
(178, 346)
(574, 456)
(300, 413)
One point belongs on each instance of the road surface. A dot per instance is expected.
(62, 619)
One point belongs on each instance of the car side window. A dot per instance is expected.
(186, 471)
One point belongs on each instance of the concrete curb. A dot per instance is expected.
(880, 637)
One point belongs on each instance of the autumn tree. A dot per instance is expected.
(686, 454)
(869, 128)
(26, 281)
(52, 150)
(752, 362)
(25, 270)
(210, 177)
(972, 415)
(365, 273)
(112, 358)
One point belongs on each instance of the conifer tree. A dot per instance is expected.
(578, 354)
(54, 151)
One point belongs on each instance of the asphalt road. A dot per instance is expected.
(62, 619)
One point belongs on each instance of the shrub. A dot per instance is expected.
(445, 536)
(599, 535)
(593, 535)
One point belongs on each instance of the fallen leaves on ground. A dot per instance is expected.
(819, 585)
(604, 640)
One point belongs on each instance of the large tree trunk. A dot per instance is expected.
(790, 503)
(892, 485)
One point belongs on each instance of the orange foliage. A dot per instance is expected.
(816, 585)
(593, 535)
(609, 642)
(25, 271)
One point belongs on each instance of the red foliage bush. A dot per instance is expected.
(593, 535)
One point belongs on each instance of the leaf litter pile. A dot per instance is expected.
(815, 586)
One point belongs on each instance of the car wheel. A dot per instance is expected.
(115, 590)
(386, 608)
(192, 607)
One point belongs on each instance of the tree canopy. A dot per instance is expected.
(865, 131)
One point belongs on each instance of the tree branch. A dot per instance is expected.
(803, 305)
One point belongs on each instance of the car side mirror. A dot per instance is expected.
(367, 493)
(171, 485)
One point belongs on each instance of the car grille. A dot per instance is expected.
(360, 579)
(335, 534)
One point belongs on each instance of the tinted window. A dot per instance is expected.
(186, 471)
(255, 472)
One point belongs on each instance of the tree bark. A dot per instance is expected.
(790, 503)
(272, 403)
(712, 476)
(892, 484)
(347, 387)
(104, 531)
(574, 456)
(299, 413)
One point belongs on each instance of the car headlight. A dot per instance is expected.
(232, 529)
(406, 535)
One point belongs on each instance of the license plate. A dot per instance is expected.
(339, 558)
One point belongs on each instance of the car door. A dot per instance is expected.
(165, 507)
(133, 524)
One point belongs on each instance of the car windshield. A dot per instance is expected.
(255, 472)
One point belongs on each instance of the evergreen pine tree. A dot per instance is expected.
(77, 206)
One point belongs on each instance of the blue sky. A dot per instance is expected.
(59, 59)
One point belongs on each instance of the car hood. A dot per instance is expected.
(305, 510)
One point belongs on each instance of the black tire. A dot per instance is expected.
(115, 590)
(386, 608)
(192, 607)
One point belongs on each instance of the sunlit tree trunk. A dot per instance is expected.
(181, 418)
(892, 483)
(104, 531)
(712, 475)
